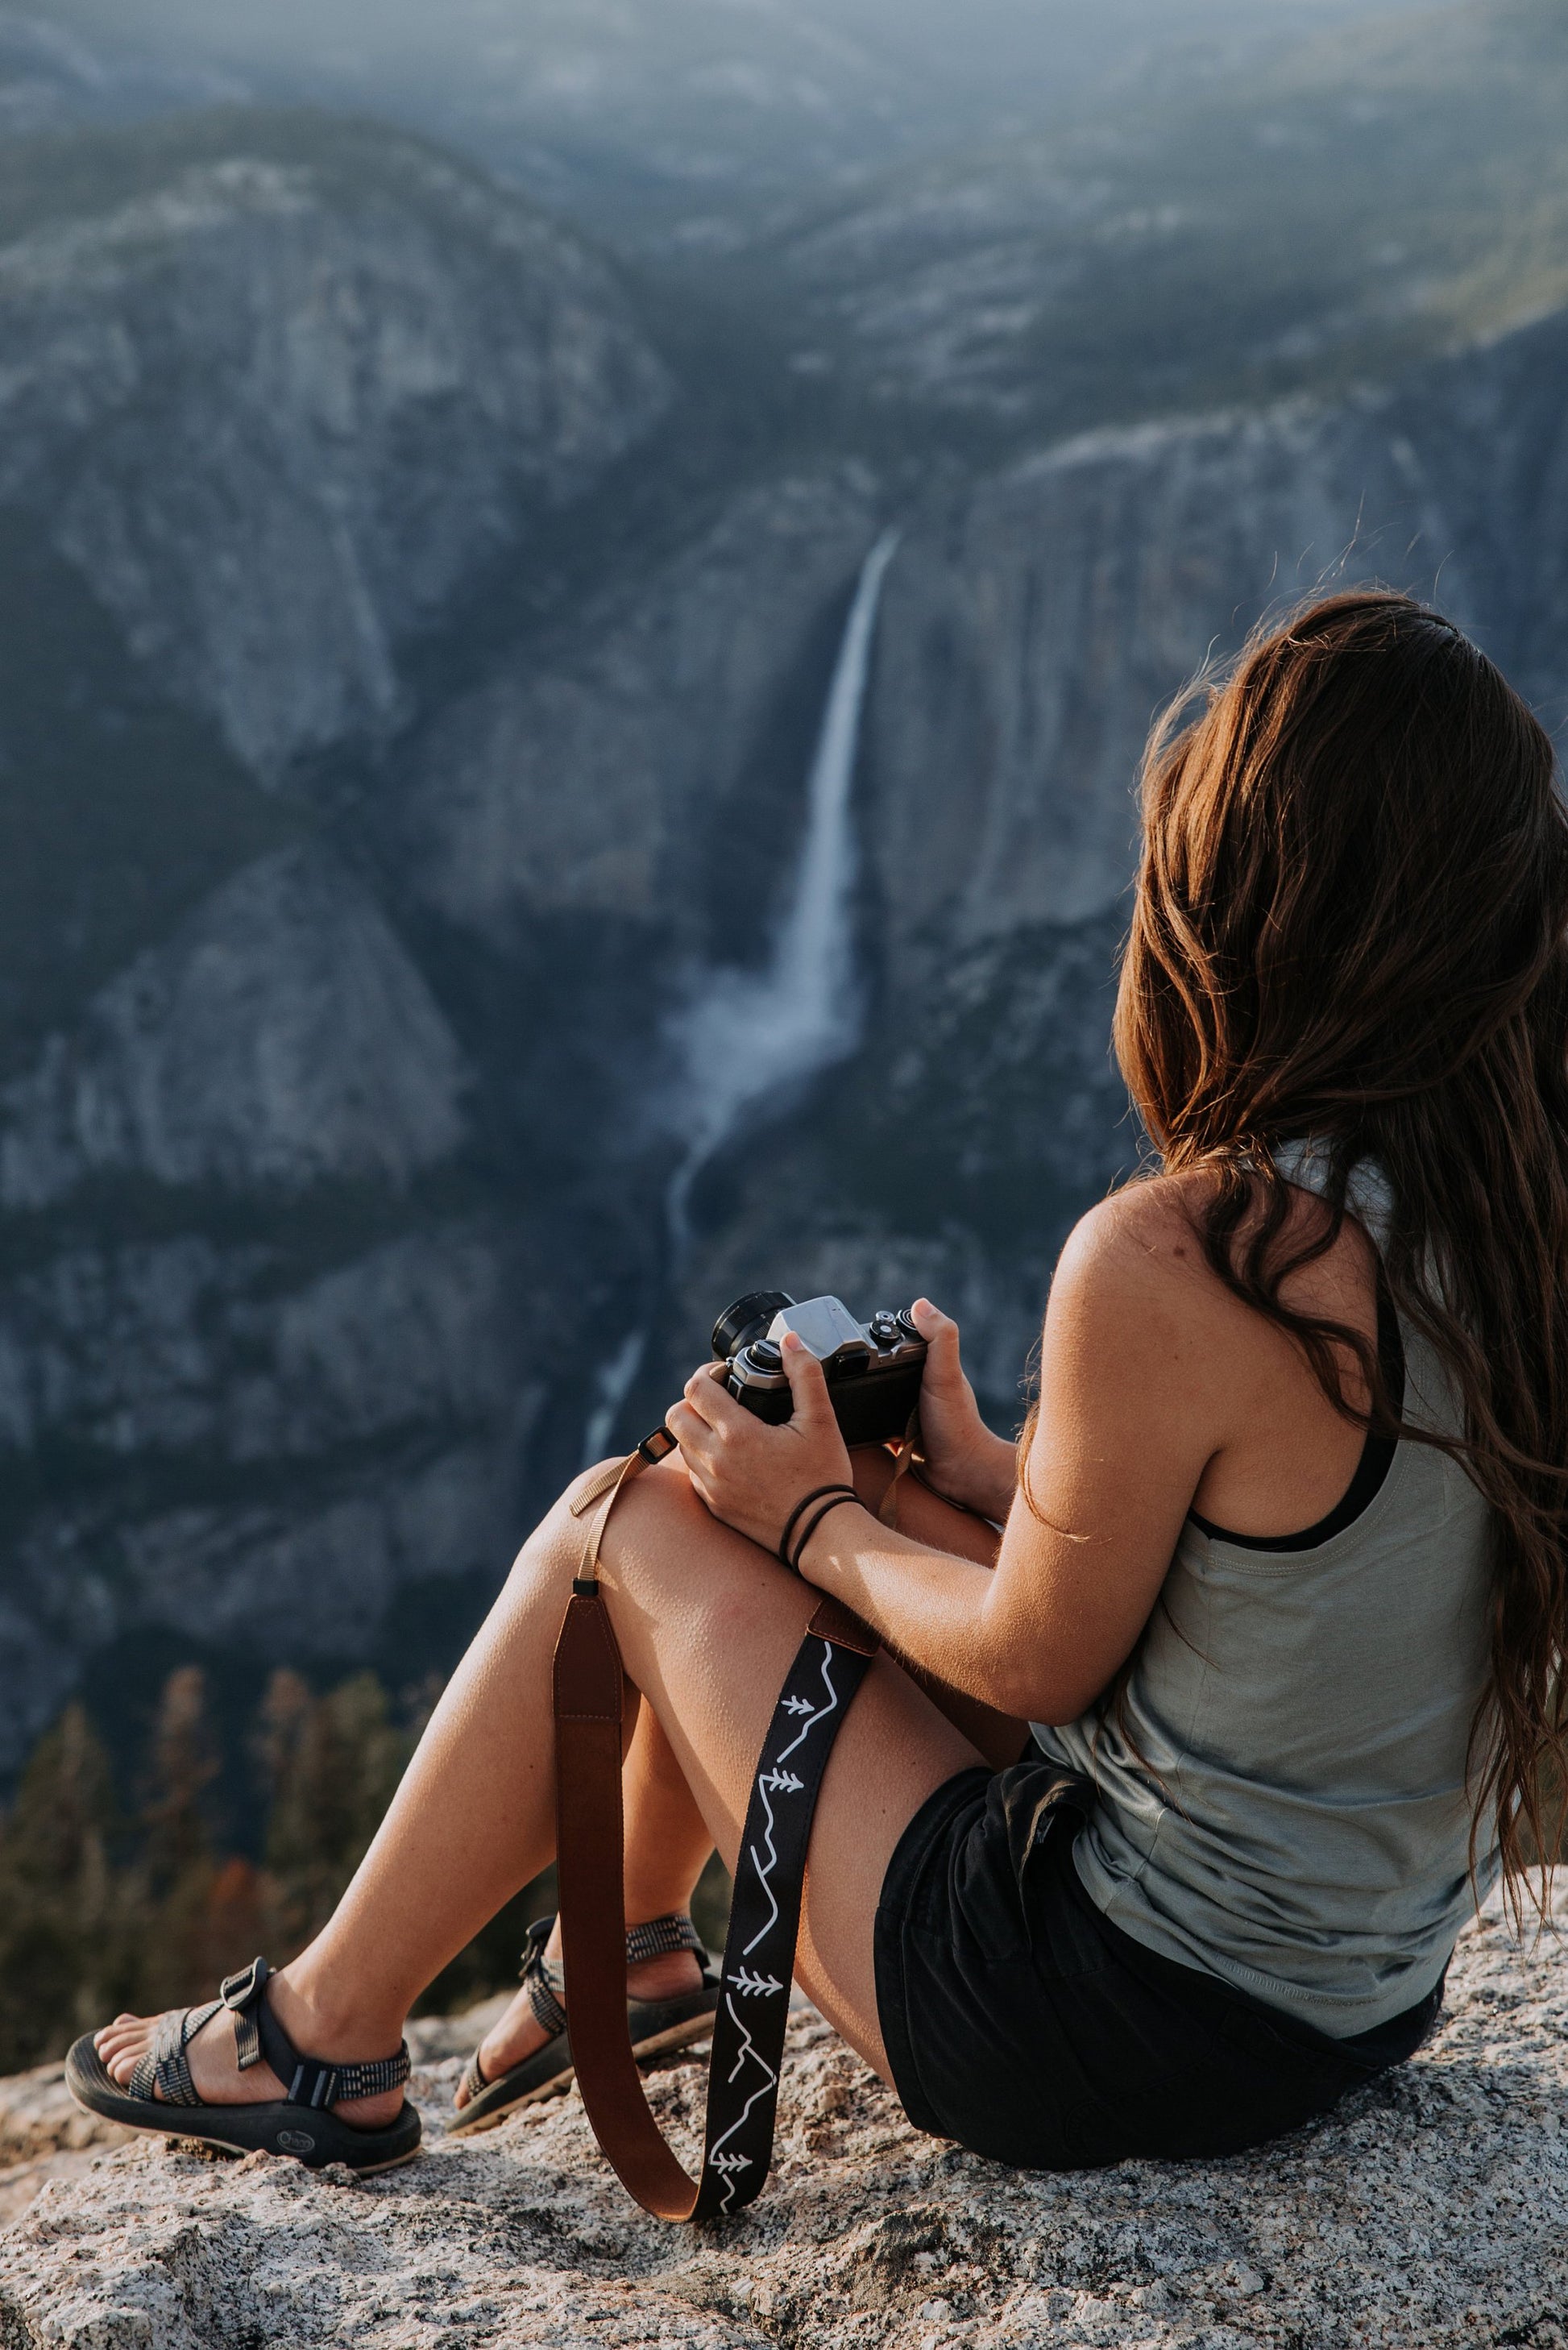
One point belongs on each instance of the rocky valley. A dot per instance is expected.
(419, 623)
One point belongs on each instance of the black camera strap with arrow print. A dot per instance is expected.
(764, 1914)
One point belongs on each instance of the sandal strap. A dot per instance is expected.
(542, 1980)
(307, 2080)
(658, 1937)
(162, 2068)
(545, 1984)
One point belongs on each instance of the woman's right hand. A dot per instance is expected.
(964, 1459)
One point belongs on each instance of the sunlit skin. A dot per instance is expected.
(1160, 1392)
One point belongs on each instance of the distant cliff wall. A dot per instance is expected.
(331, 1162)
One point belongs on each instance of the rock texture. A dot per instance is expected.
(280, 393)
(1428, 2213)
(280, 1035)
(281, 388)
(1037, 622)
(623, 765)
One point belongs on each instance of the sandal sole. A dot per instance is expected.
(678, 2035)
(314, 2139)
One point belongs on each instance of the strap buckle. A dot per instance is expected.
(240, 1991)
(242, 1994)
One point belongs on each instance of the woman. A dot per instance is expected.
(1280, 1573)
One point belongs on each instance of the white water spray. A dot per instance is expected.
(749, 1034)
(611, 1389)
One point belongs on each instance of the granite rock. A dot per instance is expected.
(282, 1033)
(1428, 2211)
(284, 385)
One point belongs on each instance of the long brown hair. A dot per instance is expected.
(1349, 924)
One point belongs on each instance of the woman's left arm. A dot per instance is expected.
(1130, 1413)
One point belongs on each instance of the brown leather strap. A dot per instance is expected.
(908, 1451)
(588, 1693)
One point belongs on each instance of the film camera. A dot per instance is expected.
(873, 1368)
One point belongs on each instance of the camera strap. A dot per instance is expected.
(764, 1914)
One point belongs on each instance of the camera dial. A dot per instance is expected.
(884, 1328)
(748, 1318)
(758, 1371)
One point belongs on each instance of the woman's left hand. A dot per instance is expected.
(752, 1475)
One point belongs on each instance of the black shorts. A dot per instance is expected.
(1021, 2021)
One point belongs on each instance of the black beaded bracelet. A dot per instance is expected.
(816, 1494)
(836, 1502)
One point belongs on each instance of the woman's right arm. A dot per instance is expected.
(1136, 1387)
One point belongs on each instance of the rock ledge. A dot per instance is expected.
(1431, 2211)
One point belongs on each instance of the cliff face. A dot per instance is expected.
(635, 766)
(1034, 625)
(281, 1036)
(277, 390)
(393, 747)
(1035, 628)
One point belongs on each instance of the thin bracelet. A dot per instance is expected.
(837, 1502)
(805, 1503)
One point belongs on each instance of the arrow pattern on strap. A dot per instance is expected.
(746, 1981)
(776, 1780)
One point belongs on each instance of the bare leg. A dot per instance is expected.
(667, 1839)
(707, 1625)
(667, 1847)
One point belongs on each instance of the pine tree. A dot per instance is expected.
(71, 1930)
(178, 1867)
(332, 1766)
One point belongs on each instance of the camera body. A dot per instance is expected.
(873, 1368)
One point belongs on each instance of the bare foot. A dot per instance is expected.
(520, 2032)
(215, 2070)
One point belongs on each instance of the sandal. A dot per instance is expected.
(655, 2024)
(299, 2123)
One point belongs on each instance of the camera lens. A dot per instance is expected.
(748, 1318)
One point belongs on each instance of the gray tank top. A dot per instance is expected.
(1299, 1822)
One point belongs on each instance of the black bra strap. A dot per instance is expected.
(1377, 1452)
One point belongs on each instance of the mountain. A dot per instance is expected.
(275, 387)
(692, 126)
(428, 648)
(1356, 203)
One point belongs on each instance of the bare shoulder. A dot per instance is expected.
(1141, 1244)
(1141, 1254)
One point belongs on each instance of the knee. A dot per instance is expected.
(660, 1495)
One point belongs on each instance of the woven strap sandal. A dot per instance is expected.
(301, 2123)
(655, 2024)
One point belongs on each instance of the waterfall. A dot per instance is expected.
(749, 1034)
(611, 1388)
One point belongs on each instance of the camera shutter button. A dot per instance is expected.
(884, 1328)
